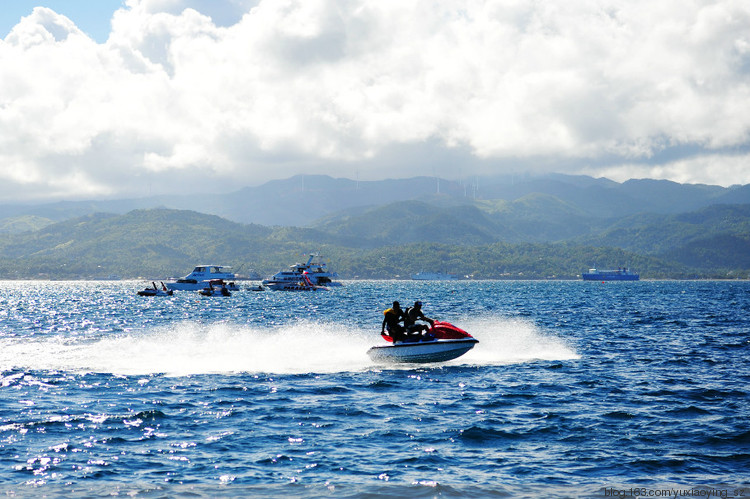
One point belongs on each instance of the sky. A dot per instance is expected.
(133, 98)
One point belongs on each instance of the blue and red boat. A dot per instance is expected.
(619, 274)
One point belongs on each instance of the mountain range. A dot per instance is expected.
(302, 200)
(483, 227)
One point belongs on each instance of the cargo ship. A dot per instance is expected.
(620, 274)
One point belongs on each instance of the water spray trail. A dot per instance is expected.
(187, 348)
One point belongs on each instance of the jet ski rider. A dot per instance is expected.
(391, 319)
(412, 315)
(409, 331)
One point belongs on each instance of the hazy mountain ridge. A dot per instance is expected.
(302, 200)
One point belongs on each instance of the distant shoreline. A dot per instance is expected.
(452, 281)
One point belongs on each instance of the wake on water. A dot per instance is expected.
(303, 347)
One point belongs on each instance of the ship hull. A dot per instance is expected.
(608, 277)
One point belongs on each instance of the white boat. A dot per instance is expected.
(293, 279)
(433, 276)
(199, 277)
(304, 284)
(448, 342)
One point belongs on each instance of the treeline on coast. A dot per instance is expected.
(161, 243)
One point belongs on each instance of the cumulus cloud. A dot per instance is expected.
(198, 94)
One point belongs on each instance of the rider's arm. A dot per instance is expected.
(426, 319)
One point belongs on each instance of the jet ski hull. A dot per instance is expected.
(422, 351)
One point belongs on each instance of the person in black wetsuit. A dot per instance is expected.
(413, 314)
(392, 317)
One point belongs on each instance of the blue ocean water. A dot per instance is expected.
(576, 389)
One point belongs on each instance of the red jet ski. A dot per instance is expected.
(442, 342)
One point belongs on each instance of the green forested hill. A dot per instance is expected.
(23, 223)
(389, 242)
(152, 241)
(415, 221)
(709, 238)
(541, 217)
(532, 218)
(719, 251)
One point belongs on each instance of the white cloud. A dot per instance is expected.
(715, 169)
(187, 94)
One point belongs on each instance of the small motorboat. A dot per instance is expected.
(154, 291)
(216, 287)
(443, 342)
